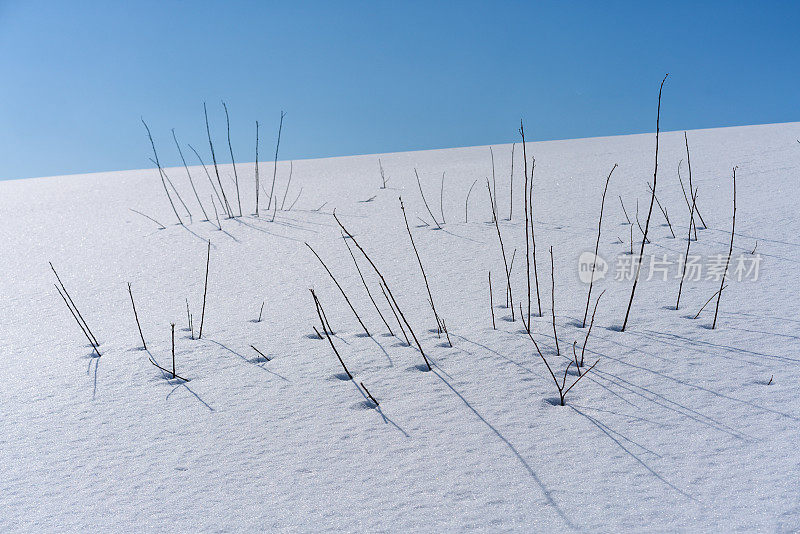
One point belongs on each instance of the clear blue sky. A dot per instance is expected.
(365, 77)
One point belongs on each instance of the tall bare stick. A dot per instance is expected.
(205, 292)
(689, 164)
(233, 162)
(502, 250)
(72, 302)
(185, 166)
(340, 289)
(439, 322)
(597, 245)
(688, 243)
(425, 201)
(85, 333)
(225, 205)
(388, 290)
(511, 188)
(649, 213)
(208, 175)
(161, 172)
(553, 298)
(363, 281)
(494, 185)
(136, 316)
(275, 168)
(256, 164)
(730, 251)
(327, 335)
(527, 223)
(491, 301)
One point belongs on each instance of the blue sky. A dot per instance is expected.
(366, 77)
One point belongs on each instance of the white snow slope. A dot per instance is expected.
(677, 428)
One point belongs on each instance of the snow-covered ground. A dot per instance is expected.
(676, 428)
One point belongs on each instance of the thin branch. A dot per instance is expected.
(597, 245)
(275, 168)
(185, 166)
(136, 316)
(466, 203)
(340, 288)
(148, 217)
(649, 213)
(161, 173)
(730, 251)
(205, 292)
(225, 205)
(425, 201)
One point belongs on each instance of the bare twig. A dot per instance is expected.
(363, 281)
(275, 168)
(288, 183)
(553, 298)
(383, 176)
(591, 324)
(319, 313)
(230, 147)
(502, 250)
(425, 201)
(441, 199)
(649, 213)
(85, 333)
(136, 316)
(205, 292)
(466, 203)
(191, 181)
(511, 187)
(226, 206)
(148, 217)
(491, 301)
(730, 251)
(373, 399)
(340, 289)
(256, 165)
(421, 268)
(208, 175)
(72, 302)
(161, 172)
(388, 290)
(624, 211)
(688, 244)
(597, 245)
(264, 355)
(709, 300)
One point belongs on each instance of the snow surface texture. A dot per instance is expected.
(675, 429)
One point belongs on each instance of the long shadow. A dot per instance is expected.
(391, 363)
(727, 348)
(491, 350)
(378, 409)
(660, 400)
(607, 431)
(263, 231)
(184, 385)
(545, 490)
(248, 361)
